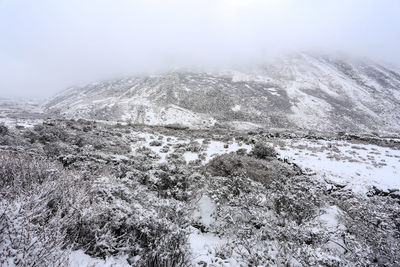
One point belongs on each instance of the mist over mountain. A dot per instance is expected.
(46, 46)
(295, 92)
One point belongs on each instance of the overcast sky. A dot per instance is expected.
(46, 46)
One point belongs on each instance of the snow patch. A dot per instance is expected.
(205, 210)
(330, 217)
(190, 156)
(216, 148)
(236, 108)
(360, 166)
(203, 246)
(78, 259)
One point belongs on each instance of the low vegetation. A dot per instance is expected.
(75, 185)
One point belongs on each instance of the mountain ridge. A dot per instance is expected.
(298, 92)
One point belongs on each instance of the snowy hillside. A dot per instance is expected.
(297, 92)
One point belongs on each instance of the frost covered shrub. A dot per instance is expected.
(3, 129)
(256, 169)
(241, 151)
(372, 235)
(46, 133)
(226, 164)
(155, 143)
(164, 149)
(37, 200)
(173, 186)
(194, 146)
(173, 181)
(11, 137)
(263, 151)
(128, 219)
(262, 236)
(57, 149)
(297, 198)
(147, 152)
(232, 187)
(20, 173)
(23, 244)
(269, 209)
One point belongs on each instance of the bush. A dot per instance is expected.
(3, 129)
(23, 244)
(372, 224)
(37, 199)
(256, 169)
(46, 133)
(297, 198)
(226, 164)
(263, 151)
(128, 219)
(20, 173)
(155, 143)
(173, 186)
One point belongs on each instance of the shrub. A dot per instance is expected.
(21, 173)
(176, 126)
(296, 198)
(256, 169)
(46, 133)
(241, 151)
(226, 164)
(155, 143)
(263, 151)
(3, 129)
(37, 199)
(372, 224)
(128, 219)
(23, 244)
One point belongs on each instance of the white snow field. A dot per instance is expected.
(358, 166)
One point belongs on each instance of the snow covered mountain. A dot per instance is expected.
(295, 92)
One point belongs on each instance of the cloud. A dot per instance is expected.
(47, 45)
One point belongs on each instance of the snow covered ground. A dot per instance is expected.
(208, 150)
(359, 166)
(79, 259)
(12, 123)
(219, 148)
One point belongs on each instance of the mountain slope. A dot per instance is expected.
(296, 92)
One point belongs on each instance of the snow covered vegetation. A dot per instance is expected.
(91, 193)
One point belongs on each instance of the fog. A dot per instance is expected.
(46, 46)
